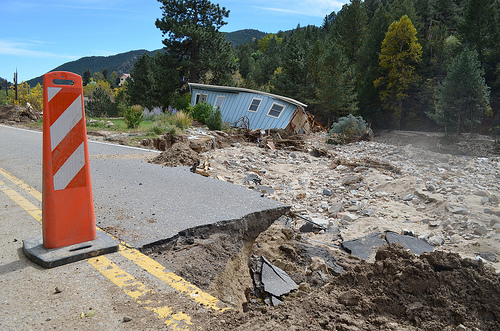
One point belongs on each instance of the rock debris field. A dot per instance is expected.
(326, 264)
(361, 193)
(450, 201)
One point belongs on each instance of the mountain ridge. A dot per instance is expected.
(124, 62)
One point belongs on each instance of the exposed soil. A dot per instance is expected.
(178, 155)
(399, 291)
(13, 114)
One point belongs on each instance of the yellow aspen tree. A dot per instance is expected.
(399, 54)
(25, 94)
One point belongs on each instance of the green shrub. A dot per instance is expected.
(348, 129)
(214, 120)
(133, 116)
(201, 111)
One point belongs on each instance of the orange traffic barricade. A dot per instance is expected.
(68, 220)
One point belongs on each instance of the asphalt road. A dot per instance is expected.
(142, 203)
(136, 201)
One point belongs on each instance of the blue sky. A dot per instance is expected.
(39, 35)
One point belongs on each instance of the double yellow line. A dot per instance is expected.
(129, 284)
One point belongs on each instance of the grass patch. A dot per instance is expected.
(174, 123)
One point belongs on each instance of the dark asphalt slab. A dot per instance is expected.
(138, 202)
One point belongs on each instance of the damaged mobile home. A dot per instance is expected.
(255, 109)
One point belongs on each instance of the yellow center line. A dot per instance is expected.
(137, 290)
(170, 278)
(110, 270)
(37, 195)
(145, 262)
(21, 201)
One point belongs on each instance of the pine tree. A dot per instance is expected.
(139, 83)
(479, 28)
(463, 96)
(190, 28)
(100, 104)
(165, 80)
(86, 77)
(293, 79)
(350, 29)
(336, 89)
(368, 66)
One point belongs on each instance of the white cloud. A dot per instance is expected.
(29, 48)
(314, 8)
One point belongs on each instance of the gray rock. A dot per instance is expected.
(481, 193)
(353, 208)
(348, 217)
(481, 230)
(488, 256)
(456, 239)
(275, 301)
(462, 210)
(327, 192)
(408, 197)
(434, 223)
(349, 180)
(335, 208)
(310, 227)
(368, 212)
(265, 189)
(307, 252)
(436, 240)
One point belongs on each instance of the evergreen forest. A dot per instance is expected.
(399, 64)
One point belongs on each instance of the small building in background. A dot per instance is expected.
(123, 78)
(255, 109)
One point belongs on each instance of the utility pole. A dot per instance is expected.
(16, 102)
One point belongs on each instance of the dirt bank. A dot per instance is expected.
(399, 291)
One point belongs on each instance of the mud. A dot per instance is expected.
(399, 291)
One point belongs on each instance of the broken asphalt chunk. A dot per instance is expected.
(276, 282)
(415, 245)
(367, 246)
